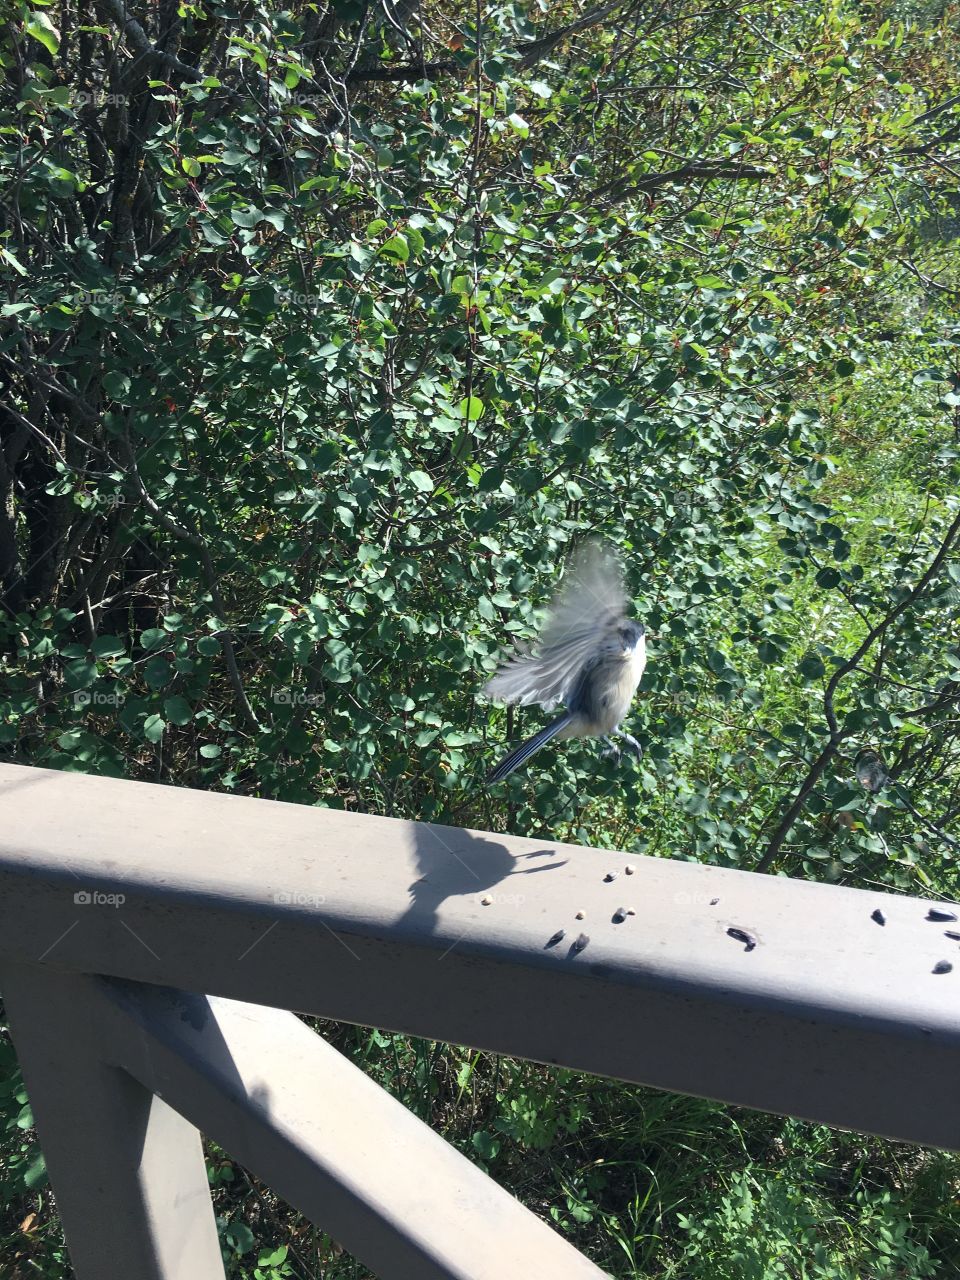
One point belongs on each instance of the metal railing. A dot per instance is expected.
(122, 901)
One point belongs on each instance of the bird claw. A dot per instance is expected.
(632, 743)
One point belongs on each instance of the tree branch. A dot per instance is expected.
(837, 735)
(534, 50)
(409, 71)
(194, 540)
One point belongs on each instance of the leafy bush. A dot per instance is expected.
(327, 330)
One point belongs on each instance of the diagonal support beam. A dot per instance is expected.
(278, 1098)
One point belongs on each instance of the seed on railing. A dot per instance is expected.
(741, 935)
(579, 945)
(581, 915)
(878, 916)
(714, 901)
(629, 868)
(952, 933)
(942, 966)
(620, 915)
(610, 877)
(485, 900)
(940, 917)
(557, 937)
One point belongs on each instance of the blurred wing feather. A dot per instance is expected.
(591, 602)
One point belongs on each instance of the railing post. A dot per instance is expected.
(127, 1170)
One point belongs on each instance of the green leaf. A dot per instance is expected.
(846, 798)
(396, 247)
(116, 385)
(608, 398)
(177, 710)
(35, 1175)
(811, 667)
(39, 26)
(246, 218)
(109, 647)
(421, 481)
(158, 672)
(471, 408)
(153, 637)
(664, 379)
(14, 262)
(272, 1257)
(486, 1145)
(153, 728)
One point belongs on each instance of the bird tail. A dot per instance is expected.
(521, 754)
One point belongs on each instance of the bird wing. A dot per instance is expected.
(591, 602)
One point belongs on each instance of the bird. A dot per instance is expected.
(871, 771)
(873, 776)
(589, 657)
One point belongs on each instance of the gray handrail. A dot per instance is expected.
(783, 995)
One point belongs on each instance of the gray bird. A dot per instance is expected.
(589, 658)
(871, 771)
